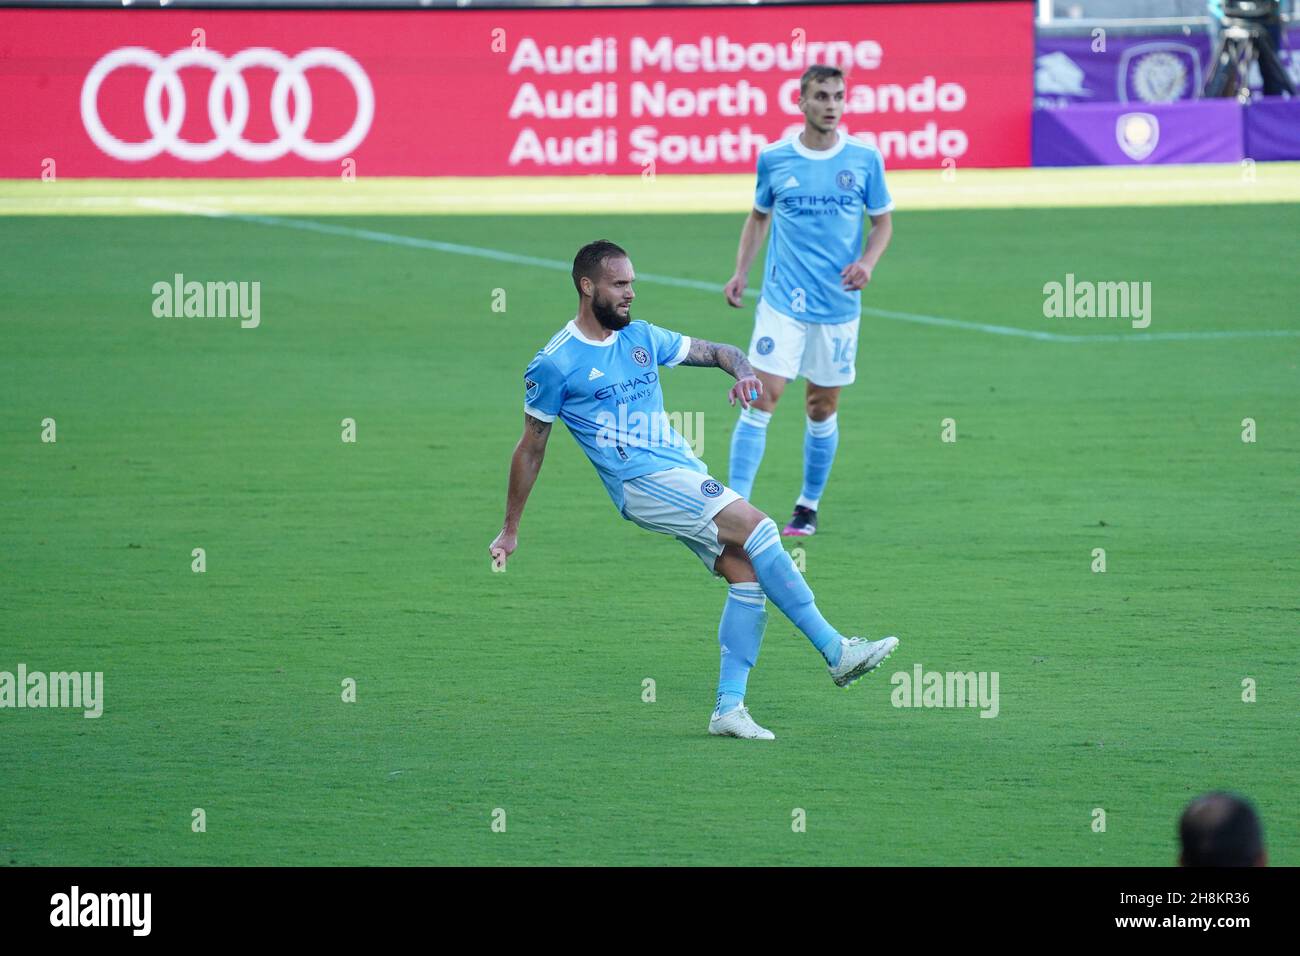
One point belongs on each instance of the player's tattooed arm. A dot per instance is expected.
(730, 359)
(718, 355)
(539, 428)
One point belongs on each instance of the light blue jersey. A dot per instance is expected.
(818, 198)
(609, 396)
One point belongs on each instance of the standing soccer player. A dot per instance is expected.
(599, 375)
(819, 183)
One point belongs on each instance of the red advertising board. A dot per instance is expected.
(158, 93)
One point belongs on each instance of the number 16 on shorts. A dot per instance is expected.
(821, 352)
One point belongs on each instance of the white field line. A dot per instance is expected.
(454, 248)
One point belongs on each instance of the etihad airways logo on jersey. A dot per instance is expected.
(802, 203)
(621, 389)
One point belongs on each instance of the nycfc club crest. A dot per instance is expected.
(711, 489)
(846, 180)
(1137, 134)
(640, 356)
(765, 345)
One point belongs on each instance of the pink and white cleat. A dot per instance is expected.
(803, 523)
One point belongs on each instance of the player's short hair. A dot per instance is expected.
(1220, 829)
(816, 74)
(588, 261)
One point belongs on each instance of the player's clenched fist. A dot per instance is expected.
(734, 290)
(503, 546)
(855, 276)
(746, 390)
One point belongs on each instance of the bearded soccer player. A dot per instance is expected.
(813, 190)
(599, 376)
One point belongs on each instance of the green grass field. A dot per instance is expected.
(523, 690)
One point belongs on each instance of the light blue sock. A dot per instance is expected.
(747, 443)
(819, 444)
(783, 583)
(740, 632)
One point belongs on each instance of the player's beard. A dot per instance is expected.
(607, 314)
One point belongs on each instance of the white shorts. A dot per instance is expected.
(823, 354)
(682, 503)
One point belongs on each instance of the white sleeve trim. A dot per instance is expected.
(763, 209)
(881, 211)
(540, 416)
(681, 352)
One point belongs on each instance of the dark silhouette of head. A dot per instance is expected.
(1221, 829)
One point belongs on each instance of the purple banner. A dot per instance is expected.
(1273, 129)
(1105, 68)
(1114, 134)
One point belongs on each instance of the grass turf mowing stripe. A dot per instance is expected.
(499, 255)
(523, 691)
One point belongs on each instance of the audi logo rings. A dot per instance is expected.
(227, 132)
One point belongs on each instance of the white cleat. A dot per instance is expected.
(858, 657)
(738, 723)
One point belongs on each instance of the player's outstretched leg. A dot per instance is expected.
(847, 658)
(740, 634)
(747, 444)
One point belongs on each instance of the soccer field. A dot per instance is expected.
(522, 691)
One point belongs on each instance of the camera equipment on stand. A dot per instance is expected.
(1248, 30)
